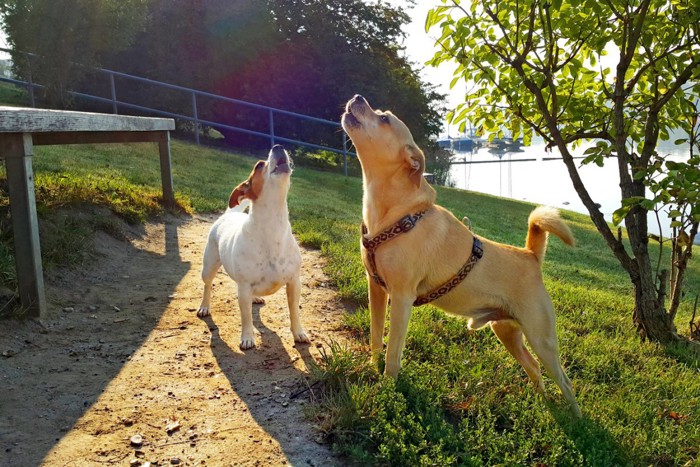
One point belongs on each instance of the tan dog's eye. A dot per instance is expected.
(384, 118)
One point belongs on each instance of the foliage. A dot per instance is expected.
(65, 33)
(327, 160)
(437, 162)
(541, 68)
(305, 56)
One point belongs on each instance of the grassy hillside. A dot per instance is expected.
(460, 399)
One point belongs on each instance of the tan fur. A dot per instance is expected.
(504, 289)
(542, 220)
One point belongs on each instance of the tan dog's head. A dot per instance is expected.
(269, 178)
(382, 140)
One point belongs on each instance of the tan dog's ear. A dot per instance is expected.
(416, 163)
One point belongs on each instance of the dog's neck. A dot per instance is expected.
(387, 200)
(269, 208)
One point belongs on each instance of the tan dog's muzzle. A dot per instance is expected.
(356, 110)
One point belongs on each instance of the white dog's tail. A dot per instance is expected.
(240, 207)
(542, 220)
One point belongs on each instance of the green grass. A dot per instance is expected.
(13, 95)
(460, 398)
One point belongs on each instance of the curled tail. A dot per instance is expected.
(542, 220)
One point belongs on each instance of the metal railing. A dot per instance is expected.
(195, 118)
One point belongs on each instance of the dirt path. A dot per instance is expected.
(123, 355)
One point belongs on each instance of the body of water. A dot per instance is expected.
(538, 176)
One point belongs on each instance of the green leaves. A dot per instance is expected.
(544, 68)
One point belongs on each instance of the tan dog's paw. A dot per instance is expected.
(258, 301)
(247, 342)
(300, 336)
(203, 311)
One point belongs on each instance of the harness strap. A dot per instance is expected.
(477, 253)
(406, 224)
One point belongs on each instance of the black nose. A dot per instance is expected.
(359, 97)
(278, 148)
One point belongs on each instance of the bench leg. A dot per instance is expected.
(17, 150)
(166, 172)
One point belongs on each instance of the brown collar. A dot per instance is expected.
(406, 224)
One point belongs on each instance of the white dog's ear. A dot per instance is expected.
(239, 193)
(248, 189)
(416, 163)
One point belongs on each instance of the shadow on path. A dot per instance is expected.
(265, 379)
(52, 371)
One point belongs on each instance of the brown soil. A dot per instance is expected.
(122, 356)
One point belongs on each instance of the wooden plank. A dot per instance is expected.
(95, 137)
(166, 172)
(20, 119)
(17, 150)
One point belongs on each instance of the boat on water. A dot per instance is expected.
(461, 144)
(505, 144)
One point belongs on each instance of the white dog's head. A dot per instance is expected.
(269, 179)
(382, 140)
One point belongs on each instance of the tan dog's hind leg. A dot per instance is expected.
(377, 310)
(293, 294)
(245, 304)
(511, 336)
(401, 307)
(540, 331)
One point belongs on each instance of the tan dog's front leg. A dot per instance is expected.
(377, 310)
(245, 303)
(401, 307)
(293, 294)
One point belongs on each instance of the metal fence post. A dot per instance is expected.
(196, 118)
(31, 82)
(272, 128)
(114, 93)
(345, 154)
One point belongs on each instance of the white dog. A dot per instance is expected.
(257, 250)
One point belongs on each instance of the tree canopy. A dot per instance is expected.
(540, 68)
(306, 56)
(64, 33)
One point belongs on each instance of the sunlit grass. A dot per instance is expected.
(460, 398)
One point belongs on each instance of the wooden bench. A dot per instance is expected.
(23, 128)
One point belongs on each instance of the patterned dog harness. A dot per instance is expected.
(406, 224)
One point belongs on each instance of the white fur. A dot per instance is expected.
(258, 251)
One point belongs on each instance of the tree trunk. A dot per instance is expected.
(650, 316)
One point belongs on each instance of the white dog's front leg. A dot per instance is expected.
(377, 310)
(210, 266)
(293, 296)
(245, 303)
(401, 307)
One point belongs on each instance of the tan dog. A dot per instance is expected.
(503, 286)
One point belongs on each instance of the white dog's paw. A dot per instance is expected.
(247, 342)
(258, 301)
(203, 311)
(300, 336)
